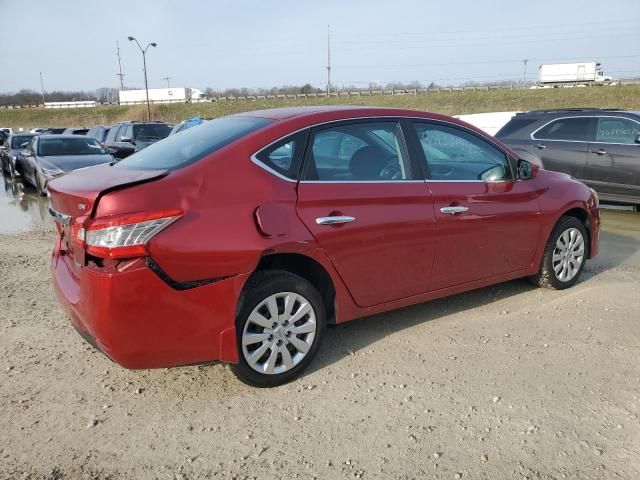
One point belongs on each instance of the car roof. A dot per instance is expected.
(62, 136)
(575, 112)
(341, 112)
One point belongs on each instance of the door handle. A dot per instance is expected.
(599, 151)
(454, 210)
(541, 146)
(335, 220)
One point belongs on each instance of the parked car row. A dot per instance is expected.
(42, 154)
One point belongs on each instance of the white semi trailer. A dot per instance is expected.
(160, 95)
(561, 74)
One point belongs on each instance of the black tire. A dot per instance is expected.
(546, 277)
(259, 287)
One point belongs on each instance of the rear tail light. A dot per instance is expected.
(123, 236)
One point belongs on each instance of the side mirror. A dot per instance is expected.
(126, 139)
(25, 153)
(526, 170)
(637, 139)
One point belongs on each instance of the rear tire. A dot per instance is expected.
(564, 255)
(279, 327)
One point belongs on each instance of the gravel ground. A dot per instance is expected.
(504, 382)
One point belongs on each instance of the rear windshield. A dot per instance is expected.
(69, 146)
(151, 131)
(16, 142)
(193, 144)
(513, 125)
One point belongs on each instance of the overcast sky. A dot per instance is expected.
(253, 43)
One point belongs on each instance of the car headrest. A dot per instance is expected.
(367, 163)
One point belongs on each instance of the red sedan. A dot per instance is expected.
(241, 239)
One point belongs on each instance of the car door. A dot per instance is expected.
(27, 160)
(562, 145)
(363, 200)
(488, 222)
(613, 165)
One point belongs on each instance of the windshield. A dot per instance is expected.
(19, 140)
(151, 131)
(193, 144)
(69, 146)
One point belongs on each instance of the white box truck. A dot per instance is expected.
(561, 74)
(156, 95)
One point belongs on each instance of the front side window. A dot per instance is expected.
(570, 129)
(453, 154)
(284, 156)
(193, 144)
(617, 130)
(358, 152)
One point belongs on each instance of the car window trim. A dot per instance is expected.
(400, 119)
(404, 148)
(296, 162)
(455, 126)
(581, 141)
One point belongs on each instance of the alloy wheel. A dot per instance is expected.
(568, 254)
(279, 333)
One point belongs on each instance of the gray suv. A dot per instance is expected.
(598, 147)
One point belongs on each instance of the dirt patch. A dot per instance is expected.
(504, 382)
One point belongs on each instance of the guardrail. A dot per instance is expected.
(340, 94)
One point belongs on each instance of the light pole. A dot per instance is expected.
(144, 63)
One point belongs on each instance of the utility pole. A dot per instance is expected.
(42, 88)
(524, 75)
(167, 79)
(328, 60)
(121, 75)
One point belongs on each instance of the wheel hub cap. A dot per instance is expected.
(278, 333)
(568, 255)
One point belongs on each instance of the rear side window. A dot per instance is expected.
(617, 130)
(112, 133)
(370, 152)
(284, 157)
(193, 144)
(576, 129)
(514, 125)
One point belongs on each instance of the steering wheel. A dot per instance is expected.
(493, 174)
(391, 170)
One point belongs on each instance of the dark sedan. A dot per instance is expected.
(10, 150)
(50, 156)
(598, 147)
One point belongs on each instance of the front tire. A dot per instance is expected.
(279, 327)
(564, 256)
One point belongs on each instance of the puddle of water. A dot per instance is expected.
(21, 208)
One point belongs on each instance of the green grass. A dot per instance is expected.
(625, 97)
